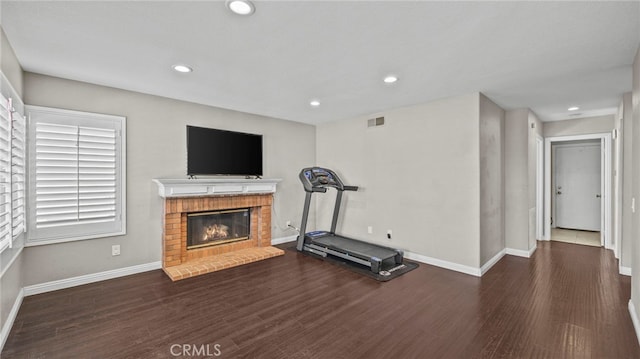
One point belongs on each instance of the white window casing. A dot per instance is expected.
(76, 175)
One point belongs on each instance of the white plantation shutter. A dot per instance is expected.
(18, 174)
(5, 173)
(77, 175)
(97, 174)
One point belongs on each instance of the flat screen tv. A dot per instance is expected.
(219, 152)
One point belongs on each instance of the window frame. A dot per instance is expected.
(83, 231)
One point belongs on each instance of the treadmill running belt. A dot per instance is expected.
(358, 248)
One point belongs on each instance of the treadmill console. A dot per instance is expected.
(317, 177)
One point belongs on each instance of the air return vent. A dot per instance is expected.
(376, 122)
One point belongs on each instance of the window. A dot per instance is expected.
(77, 175)
(5, 173)
(12, 173)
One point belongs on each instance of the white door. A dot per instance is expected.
(577, 186)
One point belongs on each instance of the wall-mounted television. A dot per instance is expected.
(218, 152)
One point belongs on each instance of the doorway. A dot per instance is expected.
(577, 184)
(585, 238)
(577, 187)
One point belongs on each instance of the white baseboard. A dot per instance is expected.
(444, 264)
(533, 249)
(634, 319)
(520, 252)
(485, 268)
(624, 271)
(281, 240)
(517, 252)
(89, 278)
(6, 327)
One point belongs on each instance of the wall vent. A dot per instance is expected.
(375, 122)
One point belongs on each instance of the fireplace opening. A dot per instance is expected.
(213, 228)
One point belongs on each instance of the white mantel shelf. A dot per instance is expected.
(168, 188)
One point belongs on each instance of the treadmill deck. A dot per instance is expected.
(354, 247)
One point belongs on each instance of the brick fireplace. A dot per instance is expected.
(180, 262)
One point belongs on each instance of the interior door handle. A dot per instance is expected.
(598, 196)
(558, 192)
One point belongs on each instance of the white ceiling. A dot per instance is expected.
(543, 55)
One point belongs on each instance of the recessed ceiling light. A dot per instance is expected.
(390, 79)
(241, 7)
(182, 68)
(573, 108)
(314, 103)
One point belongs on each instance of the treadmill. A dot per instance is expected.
(324, 243)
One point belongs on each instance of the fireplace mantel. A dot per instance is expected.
(168, 188)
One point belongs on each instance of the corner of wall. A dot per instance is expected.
(9, 64)
(634, 319)
(12, 293)
(11, 259)
(516, 179)
(491, 155)
(8, 323)
(635, 217)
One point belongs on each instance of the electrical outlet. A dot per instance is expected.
(115, 250)
(370, 230)
(389, 234)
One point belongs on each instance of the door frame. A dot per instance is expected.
(539, 187)
(605, 183)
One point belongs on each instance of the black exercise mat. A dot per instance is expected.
(389, 269)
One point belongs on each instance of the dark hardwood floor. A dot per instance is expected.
(567, 301)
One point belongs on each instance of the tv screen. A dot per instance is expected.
(218, 152)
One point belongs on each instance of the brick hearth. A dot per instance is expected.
(180, 263)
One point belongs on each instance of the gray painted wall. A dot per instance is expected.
(579, 126)
(626, 241)
(520, 178)
(617, 145)
(635, 218)
(10, 287)
(419, 175)
(491, 179)
(156, 148)
(516, 179)
(9, 63)
(616, 179)
(11, 280)
(535, 128)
